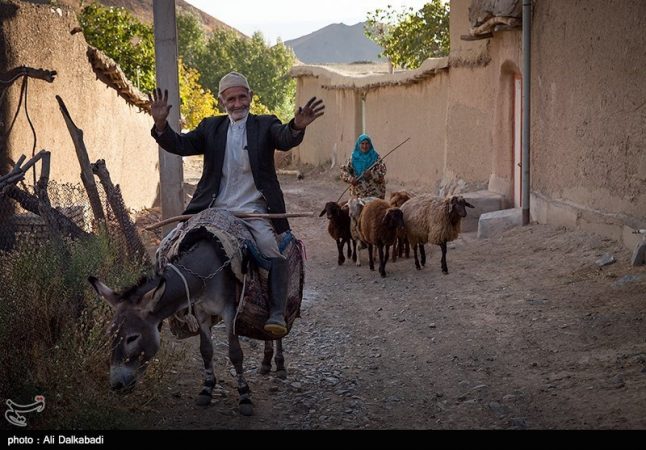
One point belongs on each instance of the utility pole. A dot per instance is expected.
(171, 173)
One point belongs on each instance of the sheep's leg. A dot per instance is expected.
(235, 356)
(358, 252)
(206, 350)
(445, 269)
(422, 253)
(395, 249)
(348, 242)
(371, 262)
(265, 366)
(339, 247)
(417, 266)
(383, 259)
(406, 248)
(281, 372)
(354, 250)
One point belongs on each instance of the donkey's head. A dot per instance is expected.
(134, 330)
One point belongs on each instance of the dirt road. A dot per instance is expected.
(525, 332)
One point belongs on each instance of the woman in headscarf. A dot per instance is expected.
(364, 170)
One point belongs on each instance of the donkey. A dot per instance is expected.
(141, 309)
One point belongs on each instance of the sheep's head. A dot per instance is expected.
(399, 198)
(393, 219)
(332, 209)
(458, 206)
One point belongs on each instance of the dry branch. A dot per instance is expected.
(86, 169)
(18, 172)
(39, 205)
(113, 193)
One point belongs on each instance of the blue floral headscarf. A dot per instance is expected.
(361, 161)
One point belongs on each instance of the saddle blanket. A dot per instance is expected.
(248, 265)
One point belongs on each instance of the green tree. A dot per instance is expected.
(118, 34)
(131, 44)
(409, 37)
(266, 68)
(191, 39)
(121, 36)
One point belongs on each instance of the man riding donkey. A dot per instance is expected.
(239, 173)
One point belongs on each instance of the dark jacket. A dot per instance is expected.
(264, 135)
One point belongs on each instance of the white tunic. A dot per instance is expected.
(238, 191)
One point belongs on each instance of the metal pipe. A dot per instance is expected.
(527, 46)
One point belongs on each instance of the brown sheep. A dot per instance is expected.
(433, 220)
(379, 226)
(339, 228)
(356, 206)
(401, 247)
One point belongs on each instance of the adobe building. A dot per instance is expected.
(100, 100)
(463, 113)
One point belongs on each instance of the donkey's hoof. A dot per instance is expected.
(203, 400)
(264, 369)
(282, 374)
(246, 409)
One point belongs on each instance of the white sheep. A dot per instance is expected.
(435, 220)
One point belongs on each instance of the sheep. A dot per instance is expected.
(401, 247)
(355, 206)
(339, 228)
(434, 220)
(379, 225)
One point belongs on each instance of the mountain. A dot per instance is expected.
(336, 43)
(143, 10)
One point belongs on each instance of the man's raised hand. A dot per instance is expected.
(159, 108)
(307, 114)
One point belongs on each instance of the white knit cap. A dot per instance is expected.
(232, 79)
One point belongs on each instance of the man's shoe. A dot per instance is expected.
(276, 328)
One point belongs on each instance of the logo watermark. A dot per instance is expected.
(13, 414)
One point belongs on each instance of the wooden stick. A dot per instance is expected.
(239, 215)
(113, 194)
(86, 169)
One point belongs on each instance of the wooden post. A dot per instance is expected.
(86, 169)
(171, 174)
(134, 245)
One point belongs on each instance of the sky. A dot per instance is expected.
(290, 19)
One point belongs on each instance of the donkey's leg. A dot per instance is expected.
(235, 355)
(206, 350)
(265, 367)
(281, 372)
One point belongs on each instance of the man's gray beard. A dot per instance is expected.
(241, 118)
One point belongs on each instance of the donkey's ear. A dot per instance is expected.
(151, 298)
(108, 294)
